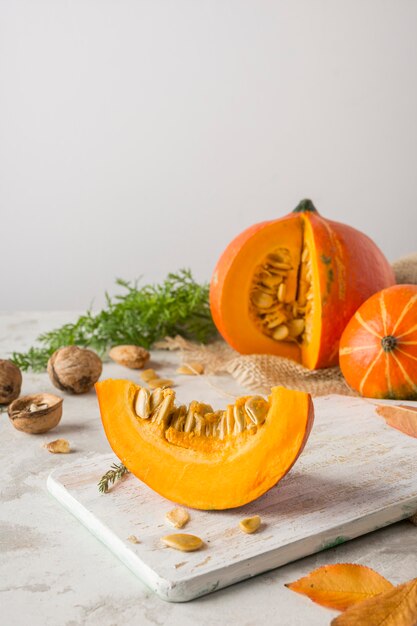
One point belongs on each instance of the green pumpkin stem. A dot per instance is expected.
(305, 206)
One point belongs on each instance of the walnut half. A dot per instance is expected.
(36, 413)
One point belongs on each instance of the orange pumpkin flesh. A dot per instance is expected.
(333, 268)
(378, 349)
(206, 471)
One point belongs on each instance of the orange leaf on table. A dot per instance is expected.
(342, 585)
(400, 416)
(397, 607)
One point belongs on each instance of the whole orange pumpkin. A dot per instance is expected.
(289, 286)
(378, 348)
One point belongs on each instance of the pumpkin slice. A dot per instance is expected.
(202, 458)
(289, 286)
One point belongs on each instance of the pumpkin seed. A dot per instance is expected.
(177, 517)
(222, 426)
(262, 300)
(280, 333)
(200, 424)
(269, 291)
(183, 542)
(230, 420)
(279, 265)
(189, 420)
(257, 409)
(148, 374)
(178, 417)
(154, 383)
(164, 409)
(133, 539)
(305, 255)
(143, 403)
(296, 327)
(250, 524)
(240, 419)
(281, 293)
(59, 446)
(156, 398)
(273, 322)
(191, 369)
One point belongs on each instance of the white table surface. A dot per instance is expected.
(54, 573)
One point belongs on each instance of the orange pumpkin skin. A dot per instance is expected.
(378, 348)
(205, 472)
(347, 268)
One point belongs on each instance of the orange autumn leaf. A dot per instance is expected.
(397, 607)
(342, 585)
(401, 417)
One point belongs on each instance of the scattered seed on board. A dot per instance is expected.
(250, 524)
(191, 369)
(133, 539)
(177, 517)
(154, 383)
(59, 446)
(148, 374)
(183, 542)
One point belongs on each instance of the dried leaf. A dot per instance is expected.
(342, 585)
(401, 417)
(397, 607)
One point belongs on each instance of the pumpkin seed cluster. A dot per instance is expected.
(158, 406)
(276, 309)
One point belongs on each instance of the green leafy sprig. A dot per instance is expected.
(115, 473)
(141, 316)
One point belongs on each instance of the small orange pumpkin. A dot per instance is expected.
(290, 286)
(378, 349)
(202, 458)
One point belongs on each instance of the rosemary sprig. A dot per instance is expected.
(140, 316)
(115, 473)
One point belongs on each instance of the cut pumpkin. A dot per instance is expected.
(202, 458)
(289, 286)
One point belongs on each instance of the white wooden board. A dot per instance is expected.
(356, 475)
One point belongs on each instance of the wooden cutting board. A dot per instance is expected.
(356, 475)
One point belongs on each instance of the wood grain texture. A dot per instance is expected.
(356, 475)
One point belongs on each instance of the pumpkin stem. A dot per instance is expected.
(305, 206)
(388, 343)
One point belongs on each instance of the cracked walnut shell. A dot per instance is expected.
(74, 369)
(36, 413)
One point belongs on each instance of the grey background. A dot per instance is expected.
(137, 137)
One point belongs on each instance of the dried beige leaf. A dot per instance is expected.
(192, 368)
(342, 585)
(183, 542)
(397, 607)
(401, 417)
(250, 524)
(177, 517)
(59, 446)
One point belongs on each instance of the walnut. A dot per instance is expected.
(10, 381)
(134, 357)
(36, 413)
(74, 369)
